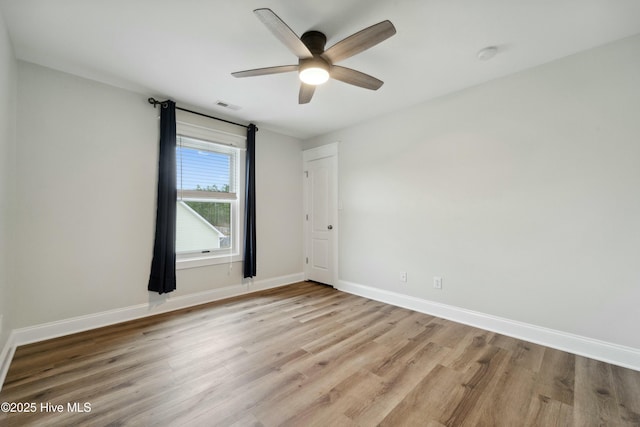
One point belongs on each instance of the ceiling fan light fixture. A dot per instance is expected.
(314, 76)
(314, 71)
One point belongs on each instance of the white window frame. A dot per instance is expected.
(208, 130)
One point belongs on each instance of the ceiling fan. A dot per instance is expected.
(315, 64)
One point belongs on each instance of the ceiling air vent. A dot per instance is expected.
(224, 104)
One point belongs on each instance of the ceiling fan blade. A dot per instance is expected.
(356, 78)
(306, 93)
(360, 41)
(265, 71)
(283, 32)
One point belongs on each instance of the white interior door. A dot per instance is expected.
(320, 219)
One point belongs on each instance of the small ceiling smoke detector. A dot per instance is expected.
(487, 53)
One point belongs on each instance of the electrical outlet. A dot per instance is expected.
(403, 276)
(437, 282)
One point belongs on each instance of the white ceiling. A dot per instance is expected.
(187, 49)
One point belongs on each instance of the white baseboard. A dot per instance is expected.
(595, 349)
(157, 304)
(6, 355)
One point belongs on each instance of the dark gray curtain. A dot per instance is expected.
(163, 267)
(250, 205)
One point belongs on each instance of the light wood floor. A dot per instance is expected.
(307, 355)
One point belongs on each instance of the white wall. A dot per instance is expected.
(521, 193)
(278, 204)
(7, 148)
(86, 173)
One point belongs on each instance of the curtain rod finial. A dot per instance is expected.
(155, 103)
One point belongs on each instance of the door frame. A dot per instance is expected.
(317, 153)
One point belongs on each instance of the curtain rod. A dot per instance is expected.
(155, 102)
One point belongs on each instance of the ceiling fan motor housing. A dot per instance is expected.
(314, 41)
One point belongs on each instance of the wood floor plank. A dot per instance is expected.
(307, 354)
(416, 408)
(404, 355)
(556, 377)
(525, 354)
(594, 396)
(510, 398)
(478, 385)
(542, 411)
(405, 328)
(451, 334)
(627, 389)
(469, 349)
(350, 338)
(321, 411)
(410, 364)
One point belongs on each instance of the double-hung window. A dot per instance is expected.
(209, 187)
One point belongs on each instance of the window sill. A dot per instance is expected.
(203, 261)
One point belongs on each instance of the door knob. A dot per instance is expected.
(330, 227)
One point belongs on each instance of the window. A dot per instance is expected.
(208, 201)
